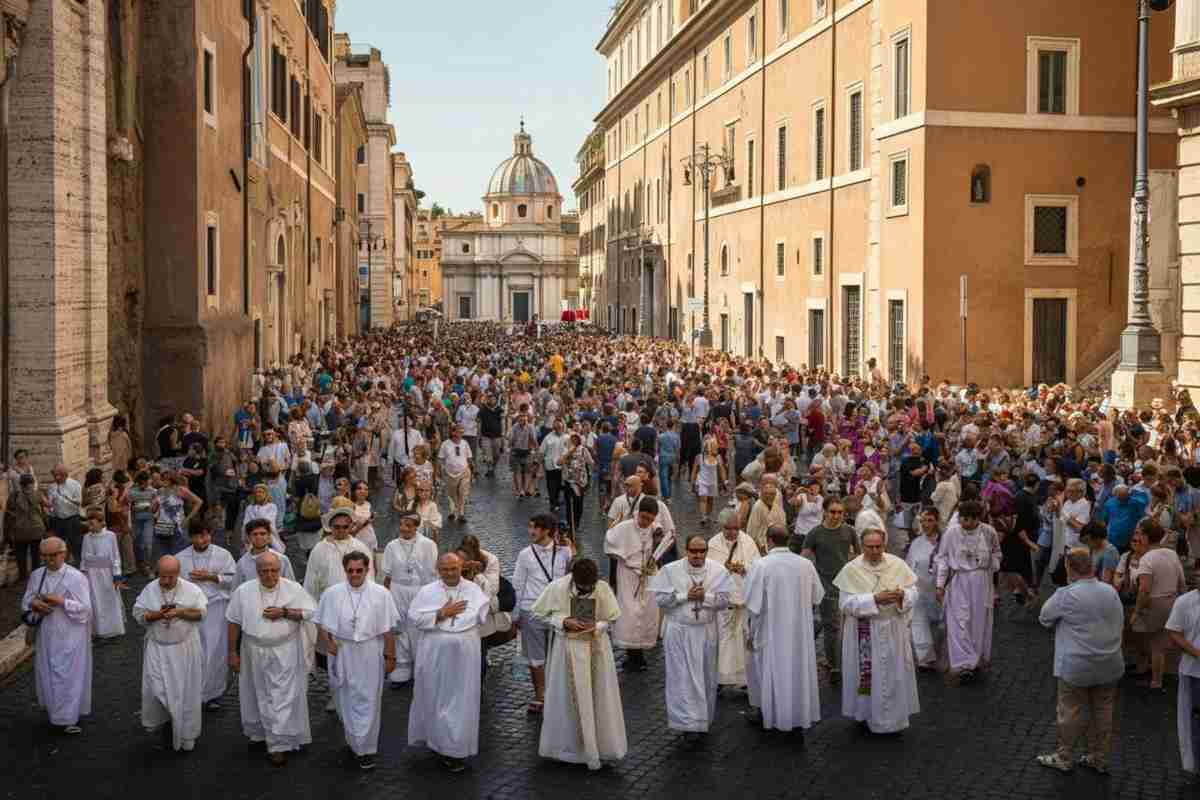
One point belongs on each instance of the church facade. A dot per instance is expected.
(515, 261)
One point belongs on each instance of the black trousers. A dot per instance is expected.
(27, 553)
(70, 530)
(574, 508)
(554, 486)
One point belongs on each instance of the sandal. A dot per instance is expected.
(1092, 763)
(535, 707)
(1052, 761)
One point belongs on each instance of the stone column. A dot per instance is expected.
(58, 237)
(1182, 95)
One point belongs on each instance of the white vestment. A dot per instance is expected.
(173, 662)
(781, 590)
(445, 705)
(1185, 620)
(100, 560)
(247, 568)
(63, 656)
(324, 568)
(928, 620)
(634, 549)
(214, 633)
(879, 679)
(731, 652)
(690, 638)
(965, 564)
(357, 619)
(583, 722)
(273, 681)
(408, 564)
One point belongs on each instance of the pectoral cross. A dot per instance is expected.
(698, 603)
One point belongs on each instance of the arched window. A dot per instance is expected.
(280, 252)
(522, 210)
(981, 184)
(495, 210)
(724, 259)
(550, 212)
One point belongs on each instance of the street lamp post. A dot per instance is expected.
(369, 240)
(706, 163)
(1141, 345)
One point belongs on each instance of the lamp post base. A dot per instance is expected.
(1135, 389)
(705, 339)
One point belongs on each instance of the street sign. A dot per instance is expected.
(695, 305)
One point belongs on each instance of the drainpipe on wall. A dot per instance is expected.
(831, 171)
(762, 209)
(248, 140)
(5, 270)
(308, 264)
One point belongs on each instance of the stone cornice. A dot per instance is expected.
(1176, 93)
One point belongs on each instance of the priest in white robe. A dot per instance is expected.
(733, 549)
(781, 590)
(632, 547)
(878, 592)
(258, 539)
(172, 611)
(270, 614)
(356, 619)
(583, 721)
(445, 707)
(691, 593)
(409, 562)
(58, 602)
(967, 560)
(212, 568)
(100, 560)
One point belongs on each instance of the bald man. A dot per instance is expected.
(58, 603)
(172, 610)
(445, 706)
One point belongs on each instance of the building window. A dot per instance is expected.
(896, 340)
(724, 259)
(750, 168)
(782, 167)
(279, 83)
(780, 259)
(818, 9)
(295, 105)
(1052, 75)
(704, 76)
(730, 151)
(360, 155)
(211, 256)
(724, 333)
(1051, 230)
(687, 88)
(898, 199)
(728, 70)
(780, 349)
(783, 19)
(466, 248)
(818, 142)
(522, 210)
(752, 39)
(495, 211)
(816, 338)
(671, 98)
(209, 89)
(981, 184)
(550, 212)
(362, 203)
(818, 256)
(317, 137)
(855, 156)
(851, 330)
(901, 86)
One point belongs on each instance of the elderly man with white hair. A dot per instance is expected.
(58, 604)
(271, 617)
(172, 610)
(878, 592)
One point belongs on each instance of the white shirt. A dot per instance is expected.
(1081, 510)
(467, 416)
(398, 453)
(66, 498)
(552, 449)
(454, 457)
(536, 567)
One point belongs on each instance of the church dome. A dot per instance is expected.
(522, 174)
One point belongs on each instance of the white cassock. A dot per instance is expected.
(1185, 620)
(63, 656)
(173, 662)
(928, 621)
(358, 619)
(273, 681)
(247, 568)
(583, 722)
(408, 564)
(214, 633)
(781, 590)
(879, 680)
(731, 622)
(445, 705)
(690, 638)
(633, 547)
(623, 508)
(100, 560)
(965, 564)
(324, 568)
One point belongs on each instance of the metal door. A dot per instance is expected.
(1049, 340)
(749, 334)
(520, 306)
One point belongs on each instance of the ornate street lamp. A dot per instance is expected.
(705, 162)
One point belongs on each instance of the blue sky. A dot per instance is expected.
(462, 80)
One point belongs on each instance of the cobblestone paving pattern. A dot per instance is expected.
(973, 743)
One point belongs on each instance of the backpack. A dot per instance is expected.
(507, 596)
(310, 507)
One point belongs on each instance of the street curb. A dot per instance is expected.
(13, 651)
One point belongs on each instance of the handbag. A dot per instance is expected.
(31, 618)
(165, 529)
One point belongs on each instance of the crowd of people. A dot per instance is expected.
(889, 524)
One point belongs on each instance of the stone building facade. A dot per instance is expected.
(427, 250)
(591, 201)
(352, 138)
(866, 170)
(404, 206)
(375, 202)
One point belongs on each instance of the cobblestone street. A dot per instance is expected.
(974, 742)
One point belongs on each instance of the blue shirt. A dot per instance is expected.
(1122, 518)
(668, 446)
(929, 446)
(1087, 617)
(606, 443)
